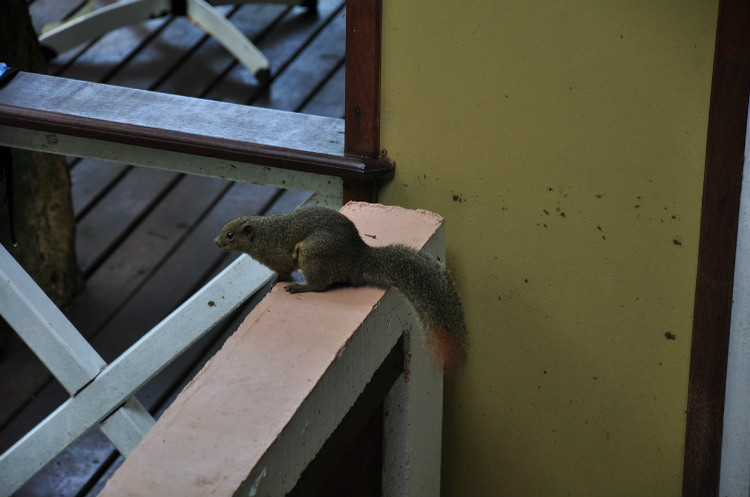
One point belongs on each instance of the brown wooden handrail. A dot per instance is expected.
(234, 132)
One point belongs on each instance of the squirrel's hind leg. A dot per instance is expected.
(322, 264)
(317, 279)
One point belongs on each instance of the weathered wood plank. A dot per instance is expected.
(67, 110)
(99, 60)
(281, 45)
(91, 180)
(102, 229)
(41, 102)
(135, 260)
(48, 11)
(157, 60)
(206, 60)
(327, 101)
(313, 64)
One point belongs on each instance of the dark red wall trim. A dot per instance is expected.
(716, 254)
(362, 101)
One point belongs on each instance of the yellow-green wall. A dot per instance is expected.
(564, 144)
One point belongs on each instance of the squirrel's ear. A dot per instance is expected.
(248, 230)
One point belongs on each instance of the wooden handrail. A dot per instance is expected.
(159, 121)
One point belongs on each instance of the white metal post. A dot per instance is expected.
(735, 451)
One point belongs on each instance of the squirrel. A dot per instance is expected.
(326, 246)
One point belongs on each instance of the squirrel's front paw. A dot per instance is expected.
(295, 288)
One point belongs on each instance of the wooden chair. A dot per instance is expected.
(89, 25)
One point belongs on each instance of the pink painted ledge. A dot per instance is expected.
(218, 428)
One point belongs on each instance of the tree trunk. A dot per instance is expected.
(44, 220)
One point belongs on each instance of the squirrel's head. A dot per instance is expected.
(238, 234)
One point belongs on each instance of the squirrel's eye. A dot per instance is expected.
(230, 235)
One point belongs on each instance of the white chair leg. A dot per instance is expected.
(216, 25)
(125, 12)
(101, 21)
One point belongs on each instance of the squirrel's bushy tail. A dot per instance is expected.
(432, 293)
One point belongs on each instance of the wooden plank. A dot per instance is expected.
(163, 54)
(91, 180)
(312, 66)
(99, 60)
(281, 45)
(725, 150)
(328, 101)
(48, 11)
(204, 60)
(122, 116)
(187, 247)
(135, 260)
(35, 101)
(102, 229)
(23, 373)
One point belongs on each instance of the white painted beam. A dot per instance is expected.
(143, 360)
(329, 189)
(127, 426)
(44, 328)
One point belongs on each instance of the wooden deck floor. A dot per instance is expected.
(144, 237)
